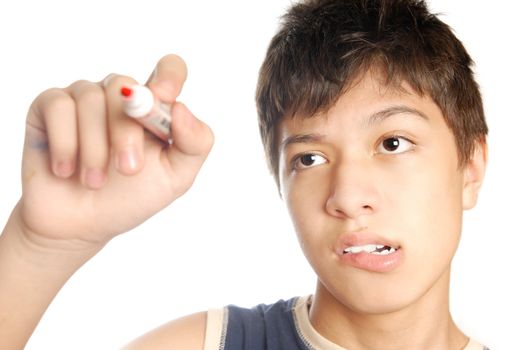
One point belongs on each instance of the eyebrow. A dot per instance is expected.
(373, 119)
(302, 138)
(380, 116)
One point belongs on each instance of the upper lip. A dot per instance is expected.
(363, 238)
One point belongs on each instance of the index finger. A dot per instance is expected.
(167, 79)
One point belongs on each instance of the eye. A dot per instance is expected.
(307, 160)
(394, 145)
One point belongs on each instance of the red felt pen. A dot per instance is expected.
(140, 104)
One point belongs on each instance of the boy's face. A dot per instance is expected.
(380, 167)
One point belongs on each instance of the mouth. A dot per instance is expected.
(370, 252)
(376, 249)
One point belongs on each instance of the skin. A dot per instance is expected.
(84, 160)
(84, 168)
(337, 178)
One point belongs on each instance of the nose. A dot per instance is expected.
(353, 191)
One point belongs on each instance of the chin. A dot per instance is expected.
(376, 296)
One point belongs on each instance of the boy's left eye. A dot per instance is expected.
(394, 145)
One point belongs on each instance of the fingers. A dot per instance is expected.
(168, 78)
(126, 135)
(86, 130)
(192, 139)
(191, 136)
(92, 126)
(81, 126)
(192, 142)
(53, 112)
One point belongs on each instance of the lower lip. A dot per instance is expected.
(373, 262)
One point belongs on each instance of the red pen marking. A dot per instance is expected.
(126, 92)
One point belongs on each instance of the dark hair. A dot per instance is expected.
(323, 45)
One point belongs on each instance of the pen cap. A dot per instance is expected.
(139, 103)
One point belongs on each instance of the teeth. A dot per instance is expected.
(388, 251)
(354, 250)
(363, 248)
(369, 248)
(376, 249)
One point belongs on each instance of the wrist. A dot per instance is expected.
(32, 271)
(43, 251)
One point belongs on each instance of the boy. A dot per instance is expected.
(374, 130)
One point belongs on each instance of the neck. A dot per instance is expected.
(426, 323)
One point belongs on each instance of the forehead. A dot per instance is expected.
(368, 101)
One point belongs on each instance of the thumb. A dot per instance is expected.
(167, 79)
(192, 141)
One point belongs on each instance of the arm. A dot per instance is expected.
(31, 274)
(185, 333)
(85, 164)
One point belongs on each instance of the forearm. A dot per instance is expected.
(31, 274)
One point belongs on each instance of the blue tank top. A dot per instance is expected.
(284, 325)
(264, 327)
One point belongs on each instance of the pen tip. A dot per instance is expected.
(126, 91)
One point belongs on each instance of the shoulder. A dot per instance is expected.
(184, 333)
(261, 312)
(262, 327)
(231, 325)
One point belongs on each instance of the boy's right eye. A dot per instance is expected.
(307, 160)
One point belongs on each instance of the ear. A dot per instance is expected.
(473, 174)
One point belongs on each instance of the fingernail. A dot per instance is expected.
(127, 161)
(94, 178)
(64, 169)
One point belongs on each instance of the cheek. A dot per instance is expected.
(430, 208)
(305, 198)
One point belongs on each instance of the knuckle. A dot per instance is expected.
(116, 81)
(105, 82)
(47, 95)
(90, 95)
(208, 141)
(57, 102)
(78, 85)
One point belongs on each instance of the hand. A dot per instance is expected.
(89, 172)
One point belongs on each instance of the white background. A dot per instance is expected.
(229, 239)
